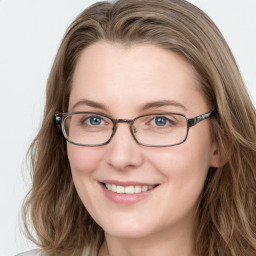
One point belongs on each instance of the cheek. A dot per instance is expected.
(180, 161)
(185, 165)
(84, 163)
(83, 160)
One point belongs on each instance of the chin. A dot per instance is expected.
(131, 233)
(128, 229)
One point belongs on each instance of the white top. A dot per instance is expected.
(39, 253)
(30, 253)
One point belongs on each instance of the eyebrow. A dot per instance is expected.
(154, 104)
(162, 103)
(89, 103)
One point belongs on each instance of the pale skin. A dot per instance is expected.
(123, 80)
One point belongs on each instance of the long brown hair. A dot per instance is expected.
(227, 211)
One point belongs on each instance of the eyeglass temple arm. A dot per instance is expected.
(197, 119)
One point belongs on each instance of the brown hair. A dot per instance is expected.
(227, 211)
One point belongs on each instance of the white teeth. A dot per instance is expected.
(144, 188)
(120, 189)
(113, 188)
(137, 189)
(128, 189)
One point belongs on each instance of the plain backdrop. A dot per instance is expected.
(30, 33)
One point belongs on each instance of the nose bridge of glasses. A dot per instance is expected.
(127, 121)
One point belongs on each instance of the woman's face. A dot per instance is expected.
(126, 82)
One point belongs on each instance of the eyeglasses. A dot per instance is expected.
(153, 130)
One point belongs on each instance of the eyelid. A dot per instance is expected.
(167, 115)
(162, 113)
(169, 118)
(93, 113)
(163, 116)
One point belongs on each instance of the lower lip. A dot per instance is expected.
(126, 198)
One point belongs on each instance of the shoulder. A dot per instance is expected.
(31, 253)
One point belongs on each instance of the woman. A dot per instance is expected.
(152, 149)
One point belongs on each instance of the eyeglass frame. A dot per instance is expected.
(59, 119)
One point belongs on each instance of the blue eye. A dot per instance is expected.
(94, 120)
(160, 121)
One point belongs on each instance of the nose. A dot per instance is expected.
(123, 152)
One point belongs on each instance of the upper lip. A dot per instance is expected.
(127, 183)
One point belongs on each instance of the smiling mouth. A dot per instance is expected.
(128, 189)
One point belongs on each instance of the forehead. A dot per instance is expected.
(117, 75)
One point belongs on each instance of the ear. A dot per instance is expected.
(218, 157)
